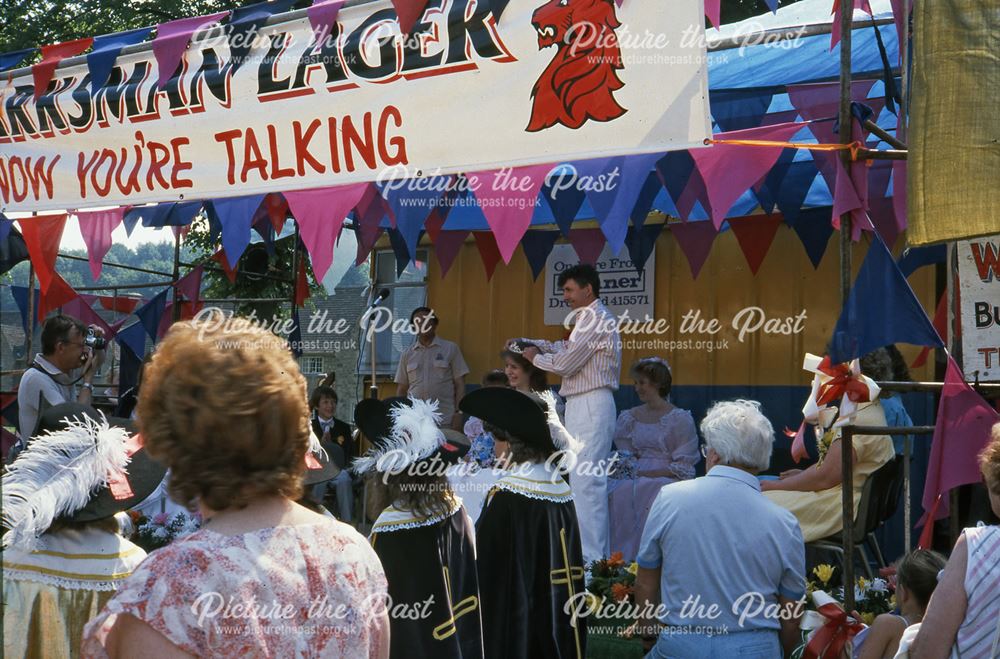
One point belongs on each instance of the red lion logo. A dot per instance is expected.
(580, 81)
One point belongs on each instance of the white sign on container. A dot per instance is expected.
(979, 293)
(623, 290)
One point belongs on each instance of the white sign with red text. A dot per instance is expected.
(979, 297)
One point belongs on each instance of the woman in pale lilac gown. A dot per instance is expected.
(657, 444)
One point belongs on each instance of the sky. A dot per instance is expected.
(72, 239)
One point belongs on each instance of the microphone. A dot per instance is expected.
(382, 295)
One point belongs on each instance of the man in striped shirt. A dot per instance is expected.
(589, 363)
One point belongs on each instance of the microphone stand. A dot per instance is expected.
(373, 390)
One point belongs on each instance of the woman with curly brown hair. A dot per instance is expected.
(223, 404)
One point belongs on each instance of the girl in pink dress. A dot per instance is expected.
(657, 444)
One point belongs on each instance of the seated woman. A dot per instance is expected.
(530, 557)
(424, 538)
(963, 617)
(814, 494)
(224, 406)
(916, 579)
(663, 445)
(64, 556)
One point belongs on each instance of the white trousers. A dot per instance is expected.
(590, 418)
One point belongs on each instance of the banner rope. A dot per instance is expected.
(853, 147)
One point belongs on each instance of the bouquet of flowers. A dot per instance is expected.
(611, 578)
(623, 465)
(161, 529)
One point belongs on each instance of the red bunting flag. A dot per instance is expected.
(43, 71)
(277, 209)
(446, 246)
(301, 285)
(940, 323)
(220, 258)
(587, 243)
(695, 240)
(409, 12)
(124, 305)
(58, 294)
(488, 251)
(755, 235)
(433, 225)
(41, 237)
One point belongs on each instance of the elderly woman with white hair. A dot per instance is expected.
(720, 566)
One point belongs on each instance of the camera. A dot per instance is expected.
(93, 340)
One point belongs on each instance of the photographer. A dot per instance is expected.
(71, 354)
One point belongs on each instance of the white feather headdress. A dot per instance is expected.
(57, 474)
(560, 436)
(415, 436)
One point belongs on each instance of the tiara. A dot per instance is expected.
(655, 360)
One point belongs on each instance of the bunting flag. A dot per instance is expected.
(488, 251)
(43, 71)
(940, 324)
(880, 207)
(588, 244)
(400, 250)
(58, 294)
(755, 235)
(20, 295)
(96, 228)
(713, 12)
(434, 224)
(366, 243)
(132, 216)
(644, 203)
(641, 242)
(370, 211)
(229, 270)
(188, 287)
(410, 207)
(129, 367)
(409, 12)
(79, 308)
(537, 246)
(343, 260)
(927, 535)
(447, 246)
(814, 230)
(13, 59)
(150, 313)
(235, 216)
(172, 40)
(915, 258)
(681, 180)
(13, 249)
(899, 192)
(565, 202)
(320, 215)
(728, 170)
(695, 240)
(847, 200)
(838, 8)
(106, 49)
(881, 309)
(172, 214)
(772, 5)
(133, 337)
(276, 207)
(245, 23)
(125, 305)
(614, 204)
(507, 198)
(737, 109)
(322, 16)
(301, 285)
(41, 236)
(961, 432)
(5, 226)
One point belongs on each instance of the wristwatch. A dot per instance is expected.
(88, 385)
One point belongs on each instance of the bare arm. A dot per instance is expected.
(883, 638)
(380, 644)
(790, 635)
(823, 476)
(130, 637)
(946, 610)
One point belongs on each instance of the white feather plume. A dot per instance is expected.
(560, 436)
(315, 447)
(57, 474)
(415, 436)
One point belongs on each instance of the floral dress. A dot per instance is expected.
(314, 590)
(660, 453)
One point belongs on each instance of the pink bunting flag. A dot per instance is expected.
(713, 10)
(80, 309)
(189, 286)
(96, 228)
(847, 200)
(43, 71)
(863, 5)
(41, 236)
(172, 39)
(899, 193)
(320, 214)
(321, 17)
(695, 240)
(446, 246)
(961, 432)
(588, 244)
(507, 199)
(728, 170)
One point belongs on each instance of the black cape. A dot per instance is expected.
(433, 561)
(525, 544)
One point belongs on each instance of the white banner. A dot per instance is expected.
(979, 296)
(554, 81)
(623, 290)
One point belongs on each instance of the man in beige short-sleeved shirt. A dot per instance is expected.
(433, 369)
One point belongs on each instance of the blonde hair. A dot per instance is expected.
(224, 406)
(989, 461)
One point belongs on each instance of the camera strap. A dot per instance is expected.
(35, 365)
